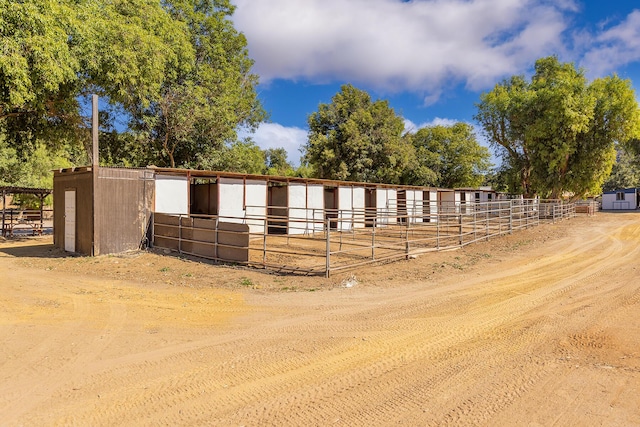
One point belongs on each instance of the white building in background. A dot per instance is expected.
(625, 199)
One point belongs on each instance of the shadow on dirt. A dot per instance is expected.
(34, 250)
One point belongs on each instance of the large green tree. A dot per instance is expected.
(626, 171)
(206, 96)
(176, 68)
(356, 139)
(277, 163)
(449, 157)
(239, 156)
(557, 132)
(57, 51)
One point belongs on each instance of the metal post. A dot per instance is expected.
(475, 218)
(511, 217)
(406, 241)
(180, 233)
(152, 219)
(264, 244)
(438, 217)
(487, 222)
(373, 239)
(215, 240)
(94, 130)
(460, 228)
(327, 228)
(41, 212)
(4, 233)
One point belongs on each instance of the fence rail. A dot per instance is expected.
(319, 242)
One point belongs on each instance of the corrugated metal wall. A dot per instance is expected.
(82, 183)
(124, 202)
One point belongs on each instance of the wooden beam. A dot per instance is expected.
(94, 130)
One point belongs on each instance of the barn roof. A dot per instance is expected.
(623, 190)
(25, 190)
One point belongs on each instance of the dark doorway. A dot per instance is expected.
(204, 197)
(277, 196)
(370, 207)
(331, 206)
(402, 206)
(426, 206)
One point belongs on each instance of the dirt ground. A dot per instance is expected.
(540, 328)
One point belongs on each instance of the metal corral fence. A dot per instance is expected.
(589, 207)
(319, 242)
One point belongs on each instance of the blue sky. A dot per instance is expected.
(431, 59)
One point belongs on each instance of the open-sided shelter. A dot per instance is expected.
(292, 205)
(12, 218)
(101, 210)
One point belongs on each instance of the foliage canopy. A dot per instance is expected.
(356, 139)
(557, 133)
(176, 70)
(449, 157)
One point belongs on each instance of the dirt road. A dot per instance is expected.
(541, 328)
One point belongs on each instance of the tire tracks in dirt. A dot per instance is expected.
(447, 353)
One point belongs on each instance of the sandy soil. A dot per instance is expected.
(540, 328)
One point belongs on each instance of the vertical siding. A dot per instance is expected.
(298, 208)
(255, 211)
(124, 203)
(82, 183)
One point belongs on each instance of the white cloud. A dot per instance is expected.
(274, 135)
(409, 126)
(614, 47)
(394, 45)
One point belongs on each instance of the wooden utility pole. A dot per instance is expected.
(94, 130)
(95, 244)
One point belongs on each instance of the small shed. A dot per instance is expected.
(99, 210)
(625, 199)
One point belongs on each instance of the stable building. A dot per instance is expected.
(101, 210)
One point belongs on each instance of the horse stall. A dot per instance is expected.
(370, 203)
(430, 205)
(254, 199)
(331, 204)
(448, 201)
(351, 211)
(386, 205)
(467, 199)
(414, 205)
(277, 212)
(306, 207)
